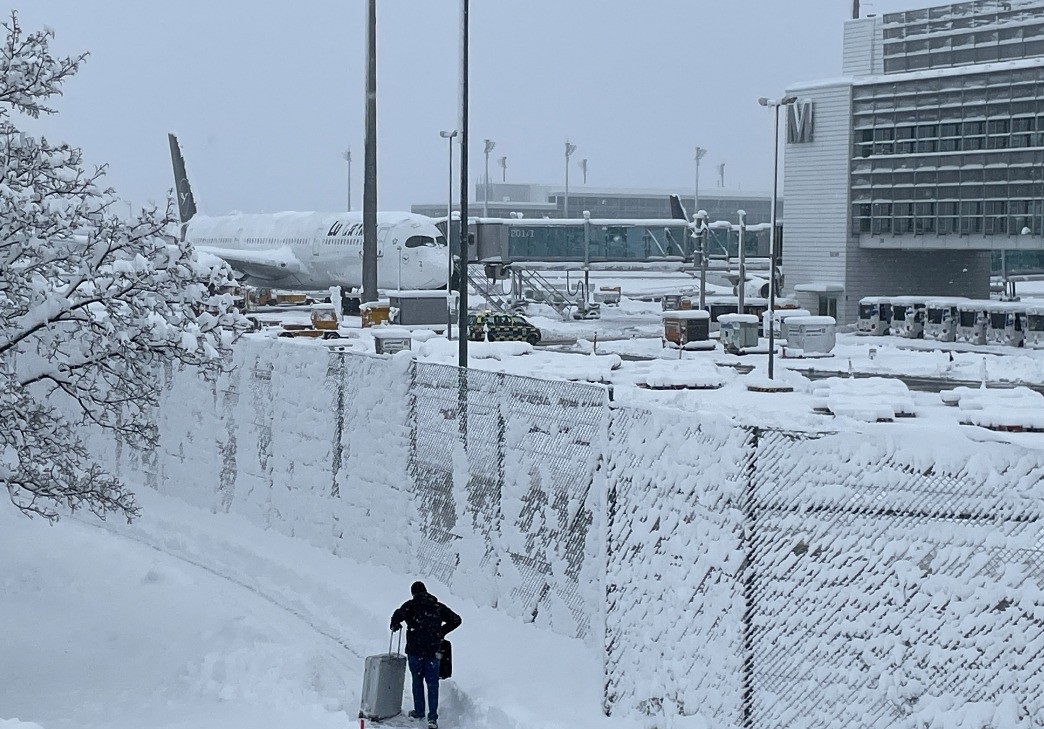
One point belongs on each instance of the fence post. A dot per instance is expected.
(747, 578)
(338, 444)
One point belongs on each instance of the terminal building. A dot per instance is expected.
(906, 174)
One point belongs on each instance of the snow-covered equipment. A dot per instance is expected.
(1034, 326)
(687, 329)
(1004, 322)
(810, 335)
(779, 321)
(875, 316)
(389, 340)
(908, 316)
(323, 323)
(375, 312)
(738, 332)
(383, 681)
(418, 308)
(941, 317)
(608, 295)
(971, 322)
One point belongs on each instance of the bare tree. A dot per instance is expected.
(90, 305)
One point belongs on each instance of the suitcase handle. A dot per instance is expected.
(390, 637)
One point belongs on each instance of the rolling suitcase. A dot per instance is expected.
(383, 680)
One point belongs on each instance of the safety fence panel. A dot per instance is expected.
(674, 607)
(372, 499)
(874, 578)
(895, 583)
(503, 468)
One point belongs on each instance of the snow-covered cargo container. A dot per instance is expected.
(738, 332)
(813, 335)
(687, 329)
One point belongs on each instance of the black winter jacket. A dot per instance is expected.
(427, 623)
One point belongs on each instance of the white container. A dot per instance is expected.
(811, 335)
(738, 331)
(779, 319)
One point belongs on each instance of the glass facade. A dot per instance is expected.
(950, 154)
(984, 31)
(622, 243)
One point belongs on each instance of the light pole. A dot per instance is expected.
(569, 149)
(398, 247)
(503, 166)
(490, 144)
(742, 286)
(775, 104)
(347, 155)
(700, 154)
(448, 136)
(583, 168)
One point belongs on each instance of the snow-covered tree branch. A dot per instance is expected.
(90, 305)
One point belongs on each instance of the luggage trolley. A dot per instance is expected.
(940, 318)
(971, 322)
(875, 316)
(1034, 326)
(908, 316)
(1004, 324)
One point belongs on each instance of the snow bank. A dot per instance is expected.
(889, 568)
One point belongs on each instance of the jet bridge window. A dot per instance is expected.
(416, 241)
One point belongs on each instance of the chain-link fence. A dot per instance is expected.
(831, 580)
(754, 577)
(503, 468)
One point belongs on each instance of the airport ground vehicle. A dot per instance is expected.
(271, 297)
(323, 324)
(875, 315)
(496, 327)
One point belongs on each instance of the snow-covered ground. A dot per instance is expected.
(193, 619)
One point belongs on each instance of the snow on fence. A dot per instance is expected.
(871, 579)
(754, 578)
(512, 516)
(363, 456)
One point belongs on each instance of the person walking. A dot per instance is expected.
(428, 621)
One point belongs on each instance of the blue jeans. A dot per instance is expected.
(425, 670)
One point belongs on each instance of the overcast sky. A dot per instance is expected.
(266, 96)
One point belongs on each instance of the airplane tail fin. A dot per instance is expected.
(186, 203)
(677, 209)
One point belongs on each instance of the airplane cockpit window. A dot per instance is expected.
(441, 241)
(416, 241)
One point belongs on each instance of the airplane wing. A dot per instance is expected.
(271, 266)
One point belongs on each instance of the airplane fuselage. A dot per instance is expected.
(313, 251)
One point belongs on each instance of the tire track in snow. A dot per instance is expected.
(162, 546)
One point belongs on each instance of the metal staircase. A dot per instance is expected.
(527, 286)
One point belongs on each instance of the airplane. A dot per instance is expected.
(299, 251)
